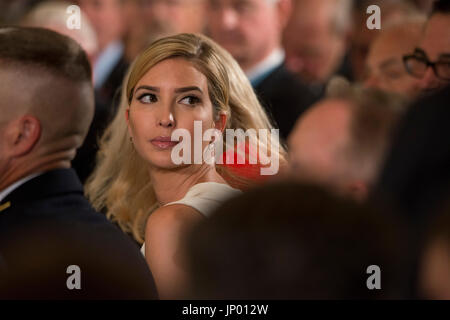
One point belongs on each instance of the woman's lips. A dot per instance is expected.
(163, 142)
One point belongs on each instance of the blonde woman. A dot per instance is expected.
(176, 82)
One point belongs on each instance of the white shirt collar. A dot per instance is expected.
(272, 61)
(106, 62)
(16, 185)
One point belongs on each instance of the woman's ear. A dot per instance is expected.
(25, 135)
(221, 121)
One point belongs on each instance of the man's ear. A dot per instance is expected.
(25, 134)
(221, 121)
(284, 11)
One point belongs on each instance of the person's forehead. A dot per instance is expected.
(174, 71)
(311, 26)
(436, 38)
(311, 10)
(386, 49)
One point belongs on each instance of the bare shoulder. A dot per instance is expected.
(171, 219)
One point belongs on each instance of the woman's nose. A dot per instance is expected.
(166, 120)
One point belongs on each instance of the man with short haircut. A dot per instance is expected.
(341, 141)
(430, 61)
(316, 39)
(251, 30)
(46, 225)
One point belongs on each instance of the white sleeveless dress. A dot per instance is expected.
(205, 197)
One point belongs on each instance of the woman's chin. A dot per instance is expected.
(165, 164)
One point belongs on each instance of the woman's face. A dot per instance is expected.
(171, 95)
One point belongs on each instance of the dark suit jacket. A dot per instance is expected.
(50, 226)
(3, 272)
(109, 93)
(285, 98)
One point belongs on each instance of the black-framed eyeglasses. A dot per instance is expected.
(416, 64)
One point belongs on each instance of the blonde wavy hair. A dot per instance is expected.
(120, 183)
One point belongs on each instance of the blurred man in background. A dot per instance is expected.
(385, 68)
(316, 39)
(362, 37)
(168, 17)
(53, 15)
(251, 30)
(110, 66)
(340, 143)
(430, 62)
(149, 20)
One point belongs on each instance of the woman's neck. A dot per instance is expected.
(172, 185)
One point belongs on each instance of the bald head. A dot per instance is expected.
(52, 14)
(341, 141)
(318, 139)
(46, 97)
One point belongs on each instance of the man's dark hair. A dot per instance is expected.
(47, 50)
(289, 241)
(441, 6)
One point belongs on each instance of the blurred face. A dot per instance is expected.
(435, 47)
(385, 65)
(171, 95)
(168, 17)
(248, 29)
(316, 54)
(315, 141)
(361, 39)
(107, 19)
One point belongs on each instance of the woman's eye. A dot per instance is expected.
(191, 100)
(147, 98)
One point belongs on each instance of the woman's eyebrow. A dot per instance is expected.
(185, 89)
(148, 88)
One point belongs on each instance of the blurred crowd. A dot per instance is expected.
(362, 114)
